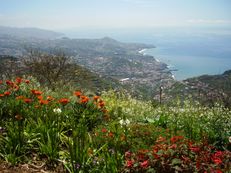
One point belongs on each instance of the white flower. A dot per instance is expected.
(57, 110)
(124, 122)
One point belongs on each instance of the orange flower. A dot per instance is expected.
(64, 101)
(2, 95)
(36, 92)
(27, 81)
(84, 99)
(96, 98)
(101, 104)
(77, 93)
(18, 117)
(18, 80)
(7, 93)
(50, 98)
(40, 97)
(20, 97)
(27, 100)
(43, 102)
(16, 87)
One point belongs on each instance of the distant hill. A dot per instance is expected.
(29, 33)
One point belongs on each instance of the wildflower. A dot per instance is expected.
(217, 160)
(18, 117)
(20, 97)
(64, 101)
(27, 81)
(2, 95)
(124, 122)
(39, 97)
(176, 138)
(77, 93)
(18, 80)
(110, 134)
(27, 100)
(144, 164)
(84, 99)
(36, 92)
(1, 81)
(96, 98)
(16, 87)
(128, 154)
(101, 104)
(10, 83)
(160, 139)
(43, 102)
(104, 130)
(50, 98)
(129, 163)
(57, 110)
(7, 93)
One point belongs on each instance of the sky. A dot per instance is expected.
(67, 14)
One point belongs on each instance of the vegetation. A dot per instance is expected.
(72, 132)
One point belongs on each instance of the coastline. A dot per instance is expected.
(167, 66)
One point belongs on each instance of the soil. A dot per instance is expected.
(29, 168)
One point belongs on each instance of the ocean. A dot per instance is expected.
(188, 52)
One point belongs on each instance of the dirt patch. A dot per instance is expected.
(29, 168)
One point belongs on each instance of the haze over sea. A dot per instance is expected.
(188, 52)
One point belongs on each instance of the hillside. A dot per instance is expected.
(207, 89)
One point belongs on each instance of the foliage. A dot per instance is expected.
(109, 133)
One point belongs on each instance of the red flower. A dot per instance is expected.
(77, 93)
(110, 134)
(129, 163)
(194, 149)
(104, 130)
(144, 164)
(7, 93)
(1, 81)
(2, 95)
(64, 101)
(217, 161)
(176, 138)
(128, 154)
(10, 83)
(27, 100)
(36, 92)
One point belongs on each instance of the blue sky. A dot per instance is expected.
(64, 14)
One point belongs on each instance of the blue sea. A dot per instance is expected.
(188, 52)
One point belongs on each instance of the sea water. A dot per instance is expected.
(187, 52)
